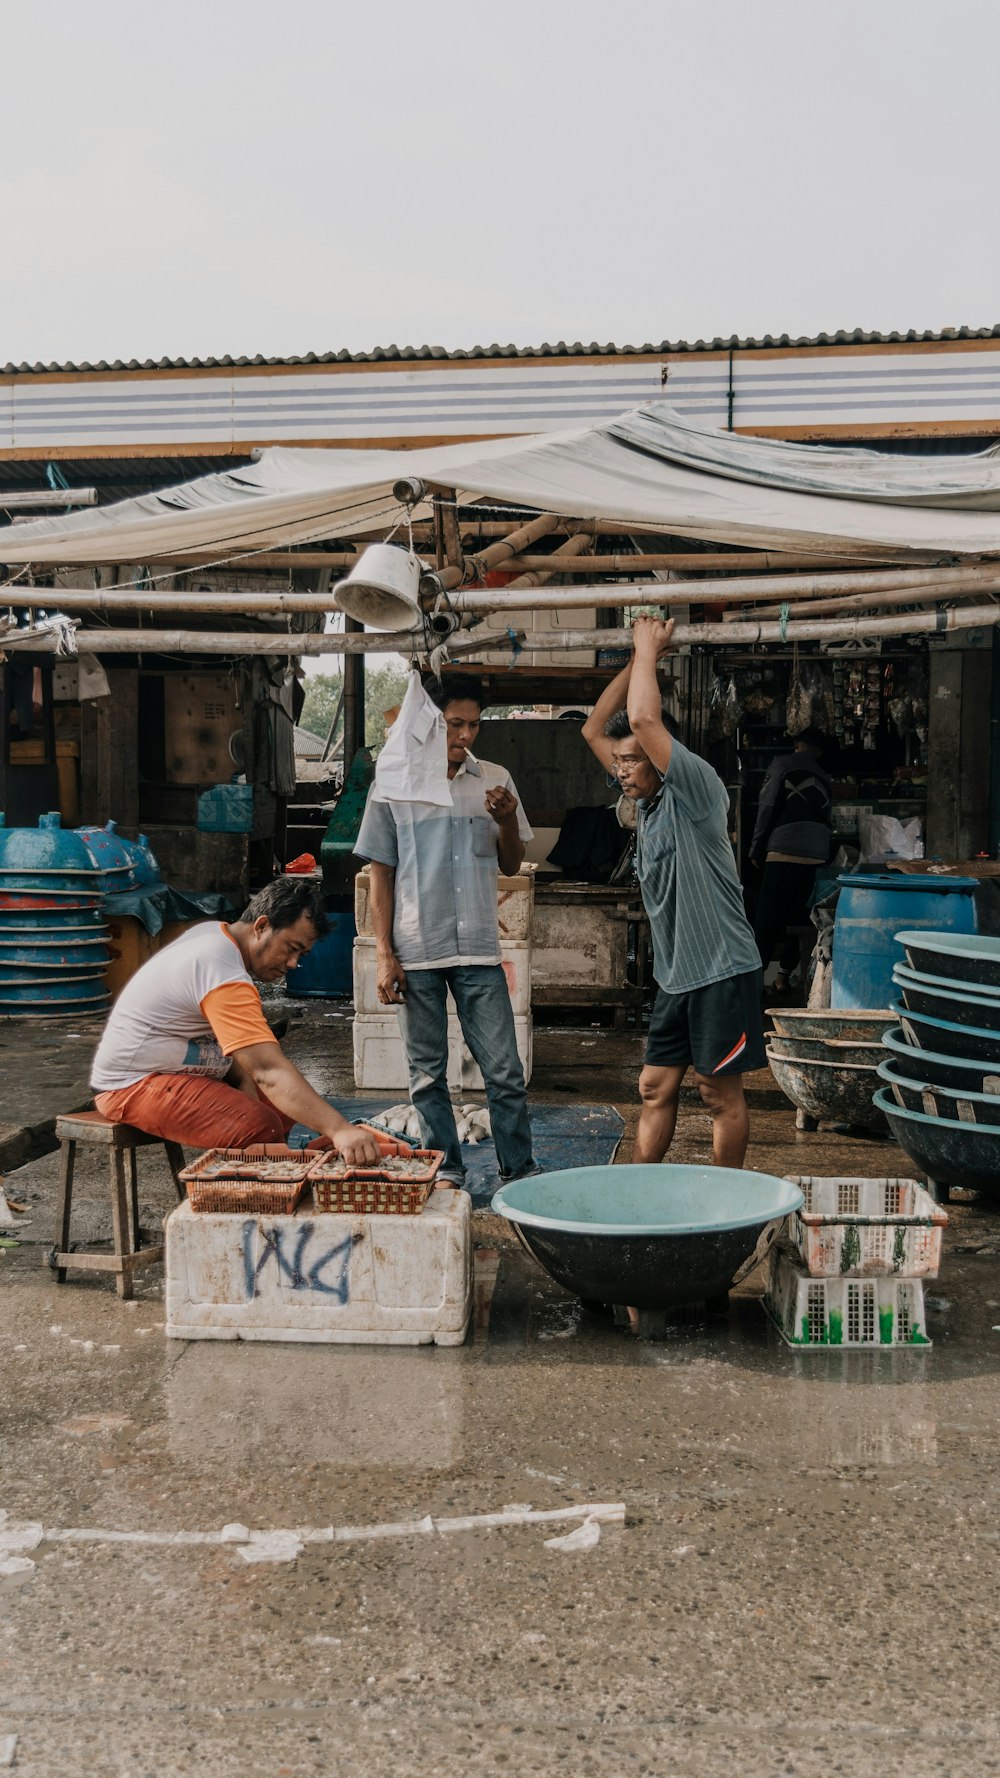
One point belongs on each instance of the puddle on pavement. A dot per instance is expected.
(518, 1306)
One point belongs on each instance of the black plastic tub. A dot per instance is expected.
(940, 1070)
(963, 956)
(948, 1153)
(973, 1043)
(652, 1237)
(951, 1003)
(913, 1093)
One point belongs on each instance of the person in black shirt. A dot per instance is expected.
(792, 837)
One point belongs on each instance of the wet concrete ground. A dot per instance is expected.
(805, 1584)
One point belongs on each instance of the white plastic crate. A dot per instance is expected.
(830, 1313)
(515, 961)
(867, 1228)
(515, 904)
(372, 1280)
(379, 1060)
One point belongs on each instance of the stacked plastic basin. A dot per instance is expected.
(941, 1071)
(53, 939)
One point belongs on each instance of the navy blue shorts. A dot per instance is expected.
(718, 1028)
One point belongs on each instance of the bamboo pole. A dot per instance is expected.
(30, 499)
(919, 595)
(741, 589)
(677, 562)
(498, 553)
(235, 604)
(681, 561)
(941, 584)
(447, 542)
(278, 642)
(575, 546)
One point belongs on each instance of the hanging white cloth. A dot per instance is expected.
(413, 765)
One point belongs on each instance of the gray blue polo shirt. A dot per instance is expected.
(445, 910)
(687, 874)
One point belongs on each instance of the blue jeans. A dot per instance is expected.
(484, 1011)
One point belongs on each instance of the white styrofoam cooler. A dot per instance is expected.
(515, 961)
(371, 1280)
(515, 904)
(379, 1060)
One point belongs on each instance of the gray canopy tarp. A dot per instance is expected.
(647, 471)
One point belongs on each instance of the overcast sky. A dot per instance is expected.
(283, 176)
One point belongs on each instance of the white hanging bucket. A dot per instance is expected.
(382, 589)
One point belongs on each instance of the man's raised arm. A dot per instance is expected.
(650, 639)
(611, 700)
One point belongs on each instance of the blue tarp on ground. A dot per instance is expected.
(564, 1136)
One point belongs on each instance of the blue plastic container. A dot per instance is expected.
(50, 857)
(226, 808)
(326, 972)
(872, 908)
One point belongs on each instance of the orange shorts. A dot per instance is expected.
(196, 1111)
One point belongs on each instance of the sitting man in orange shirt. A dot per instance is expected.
(187, 1053)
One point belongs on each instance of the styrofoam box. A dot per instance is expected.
(833, 1313)
(371, 1280)
(515, 961)
(867, 1228)
(379, 1060)
(515, 904)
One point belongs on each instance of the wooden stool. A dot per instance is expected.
(119, 1140)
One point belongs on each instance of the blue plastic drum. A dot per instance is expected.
(870, 912)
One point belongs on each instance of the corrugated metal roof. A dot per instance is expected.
(561, 349)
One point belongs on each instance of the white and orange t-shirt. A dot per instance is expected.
(187, 1011)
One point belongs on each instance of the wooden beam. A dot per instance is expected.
(109, 748)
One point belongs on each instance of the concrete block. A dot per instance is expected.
(379, 1060)
(368, 1280)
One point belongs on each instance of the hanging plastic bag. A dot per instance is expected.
(723, 709)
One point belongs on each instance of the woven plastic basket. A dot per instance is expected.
(262, 1181)
(362, 1195)
(378, 1190)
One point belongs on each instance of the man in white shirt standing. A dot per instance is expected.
(434, 915)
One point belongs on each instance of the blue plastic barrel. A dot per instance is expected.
(327, 970)
(871, 910)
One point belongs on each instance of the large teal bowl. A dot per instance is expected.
(655, 1237)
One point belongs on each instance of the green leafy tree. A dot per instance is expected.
(385, 685)
(322, 694)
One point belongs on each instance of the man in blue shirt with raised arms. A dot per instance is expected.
(706, 964)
